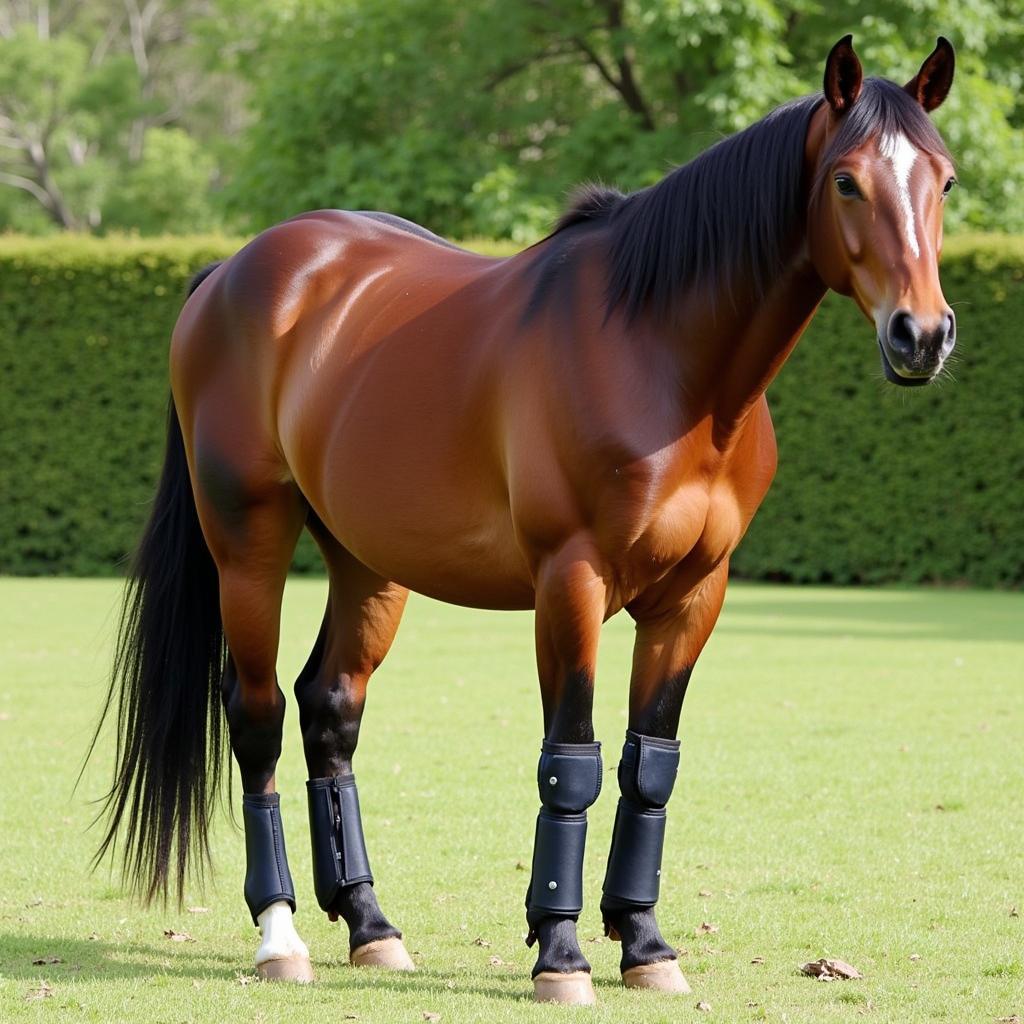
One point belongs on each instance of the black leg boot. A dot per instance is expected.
(342, 877)
(569, 780)
(647, 774)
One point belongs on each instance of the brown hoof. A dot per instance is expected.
(574, 989)
(663, 976)
(287, 968)
(387, 953)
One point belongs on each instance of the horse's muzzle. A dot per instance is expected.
(911, 354)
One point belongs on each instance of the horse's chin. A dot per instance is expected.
(894, 377)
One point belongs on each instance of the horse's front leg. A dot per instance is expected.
(671, 633)
(570, 610)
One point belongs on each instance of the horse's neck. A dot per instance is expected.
(744, 345)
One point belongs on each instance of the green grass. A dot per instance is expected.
(851, 786)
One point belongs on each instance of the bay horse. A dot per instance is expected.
(577, 429)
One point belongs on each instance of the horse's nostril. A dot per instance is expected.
(950, 322)
(947, 335)
(904, 332)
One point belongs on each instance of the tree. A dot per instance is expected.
(475, 117)
(84, 89)
(470, 116)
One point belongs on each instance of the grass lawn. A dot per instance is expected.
(851, 786)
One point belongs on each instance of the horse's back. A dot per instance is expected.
(362, 359)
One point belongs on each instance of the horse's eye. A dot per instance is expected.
(948, 187)
(846, 186)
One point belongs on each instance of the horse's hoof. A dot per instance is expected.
(574, 989)
(663, 976)
(287, 968)
(387, 953)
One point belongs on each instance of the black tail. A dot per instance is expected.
(165, 687)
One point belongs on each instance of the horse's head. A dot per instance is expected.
(881, 175)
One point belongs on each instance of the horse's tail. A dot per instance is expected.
(165, 689)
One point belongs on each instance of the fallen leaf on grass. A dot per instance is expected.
(496, 961)
(170, 933)
(704, 1007)
(478, 941)
(39, 961)
(520, 866)
(93, 937)
(245, 979)
(758, 960)
(704, 894)
(829, 969)
(1014, 912)
(915, 956)
(1012, 1019)
(706, 928)
(198, 910)
(41, 991)
(430, 1016)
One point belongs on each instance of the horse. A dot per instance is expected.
(577, 429)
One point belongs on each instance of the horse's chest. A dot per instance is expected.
(696, 524)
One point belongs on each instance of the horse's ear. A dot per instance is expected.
(843, 76)
(930, 85)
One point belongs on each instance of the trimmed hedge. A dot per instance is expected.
(874, 485)
(84, 327)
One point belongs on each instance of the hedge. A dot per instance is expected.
(875, 484)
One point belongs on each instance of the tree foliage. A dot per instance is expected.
(476, 118)
(105, 115)
(471, 116)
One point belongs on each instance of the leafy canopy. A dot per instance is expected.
(476, 118)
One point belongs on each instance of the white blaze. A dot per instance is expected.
(901, 156)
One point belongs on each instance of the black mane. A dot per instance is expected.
(588, 202)
(735, 211)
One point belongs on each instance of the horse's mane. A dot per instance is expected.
(732, 214)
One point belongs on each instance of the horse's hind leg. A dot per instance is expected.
(362, 616)
(252, 528)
